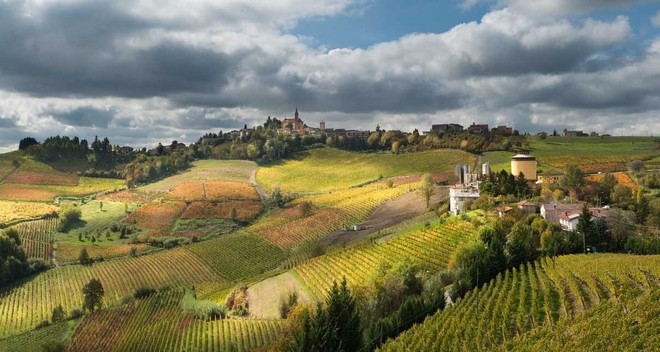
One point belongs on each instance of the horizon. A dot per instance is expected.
(150, 72)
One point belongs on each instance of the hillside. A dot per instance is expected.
(327, 169)
(543, 295)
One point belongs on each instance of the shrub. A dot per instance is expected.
(287, 303)
(42, 324)
(68, 215)
(143, 292)
(76, 313)
(53, 346)
(237, 301)
(58, 314)
(38, 265)
(201, 309)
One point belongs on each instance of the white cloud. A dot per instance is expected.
(655, 20)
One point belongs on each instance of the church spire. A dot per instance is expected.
(296, 115)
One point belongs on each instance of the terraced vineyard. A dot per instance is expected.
(23, 306)
(431, 247)
(239, 256)
(34, 340)
(533, 296)
(37, 237)
(159, 324)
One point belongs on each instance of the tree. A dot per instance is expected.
(58, 314)
(520, 245)
(427, 188)
(606, 185)
(232, 214)
(637, 166)
(26, 142)
(93, 293)
(574, 177)
(585, 227)
(334, 327)
(84, 257)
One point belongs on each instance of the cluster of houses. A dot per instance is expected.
(566, 215)
(474, 129)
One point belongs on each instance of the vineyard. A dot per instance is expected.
(430, 247)
(157, 217)
(33, 340)
(158, 323)
(592, 155)
(340, 209)
(36, 173)
(535, 295)
(205, 170)
(131, 196)
(245, 210)
(70, 252)
(10, 211)
(238, 256)
(329, 169)
(22, 307)
(213, 190)
(47, 193)
(37, 237)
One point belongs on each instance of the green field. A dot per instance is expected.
(540, 295)
(592, 154)
(329, 169)
(96, 220)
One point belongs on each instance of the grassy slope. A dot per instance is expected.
(35, 339)
(536, 296)
(329, 169)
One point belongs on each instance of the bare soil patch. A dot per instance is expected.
(264, 297)
(389, 213)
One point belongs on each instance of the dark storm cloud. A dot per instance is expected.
(78, 50)
(85, 117)
(7, 122)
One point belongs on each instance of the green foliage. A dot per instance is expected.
(58, 314)
(287, 303)
(335, 325)
(200, 308)
(53, 346)
(237, 301)
(638, 245)
(520, 244)
(427, 188)
(573, 178)
(69, 214)
(93, 293)
(84, 257)
(13, 261)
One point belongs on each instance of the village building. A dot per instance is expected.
(568, 133)
(478, 129)
(125, 150)
(502, 130)
(527, 207)
(294, 125)
(459, 195)
(446, 127)
(503, 210)
(552, 211)
(549, 176)
(526, 164)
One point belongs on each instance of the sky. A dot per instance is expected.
(150, 71)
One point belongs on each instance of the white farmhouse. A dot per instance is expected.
(460, 194)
